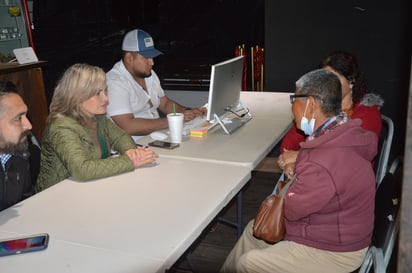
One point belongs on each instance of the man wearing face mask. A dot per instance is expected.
(357, 103)
(15, 170)
(329, 208)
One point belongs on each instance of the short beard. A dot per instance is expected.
(143, 75)
(21, 148)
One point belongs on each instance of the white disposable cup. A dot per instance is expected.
(175, 121)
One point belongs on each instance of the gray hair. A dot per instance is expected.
(323, 86)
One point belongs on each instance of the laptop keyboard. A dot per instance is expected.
(231, 124)
(197, 122)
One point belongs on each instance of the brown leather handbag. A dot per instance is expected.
(269, 224)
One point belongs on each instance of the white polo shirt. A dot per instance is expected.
(127, 96)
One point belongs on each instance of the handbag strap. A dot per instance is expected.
(287, 185)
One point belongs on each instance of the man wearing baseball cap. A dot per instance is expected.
(134, 90)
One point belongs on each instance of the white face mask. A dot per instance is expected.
(307, 126)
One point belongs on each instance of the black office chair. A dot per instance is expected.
(386, 226)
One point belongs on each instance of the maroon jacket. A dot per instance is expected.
(330, 206)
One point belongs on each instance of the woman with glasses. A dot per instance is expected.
(79, 139)
(357, 103)
(329, 211)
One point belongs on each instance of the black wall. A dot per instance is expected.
(192, 34)
(298, 34)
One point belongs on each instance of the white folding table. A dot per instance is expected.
(141, 221)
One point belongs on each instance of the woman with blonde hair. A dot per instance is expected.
(79, 140)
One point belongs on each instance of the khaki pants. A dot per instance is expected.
(254, 255)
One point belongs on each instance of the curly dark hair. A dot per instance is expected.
(347, 65)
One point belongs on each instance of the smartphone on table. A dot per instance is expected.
(23, 244)
(163, 144)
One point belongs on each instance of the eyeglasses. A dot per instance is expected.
(293, 97)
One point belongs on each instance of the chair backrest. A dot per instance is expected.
(384, 148)
(387, 204)
(386, 226)
(34, 159)
(34, 140)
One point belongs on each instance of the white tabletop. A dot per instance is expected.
(141, 221)
(272, 117)
(67, 257)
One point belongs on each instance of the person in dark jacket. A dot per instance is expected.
(329, 208)
(16, 178)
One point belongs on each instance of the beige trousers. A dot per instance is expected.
(254, 255)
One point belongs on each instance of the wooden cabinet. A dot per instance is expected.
(28, 79)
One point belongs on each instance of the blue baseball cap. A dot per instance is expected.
(141, 42)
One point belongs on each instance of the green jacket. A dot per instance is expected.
(68, 150)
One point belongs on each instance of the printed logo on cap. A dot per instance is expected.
(148, 42)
